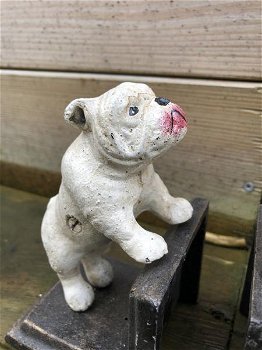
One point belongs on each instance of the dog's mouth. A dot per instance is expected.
(174, 120)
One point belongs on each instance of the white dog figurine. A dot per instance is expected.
(107, 181)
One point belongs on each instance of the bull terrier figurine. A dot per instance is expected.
(107, 180)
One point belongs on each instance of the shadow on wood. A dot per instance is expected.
(116, 321)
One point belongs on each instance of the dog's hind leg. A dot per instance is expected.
(64, 256)
(79, 295)
(98, 270)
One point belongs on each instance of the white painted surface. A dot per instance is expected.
(107, 181)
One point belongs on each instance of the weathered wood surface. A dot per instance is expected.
(220, 153)
(25, 274)
(215, 38)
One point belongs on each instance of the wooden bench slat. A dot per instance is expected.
(175, 38)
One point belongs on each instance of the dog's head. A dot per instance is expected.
(129, 123)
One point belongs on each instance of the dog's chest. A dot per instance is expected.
(144, 178)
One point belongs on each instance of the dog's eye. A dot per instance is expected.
(133, 111)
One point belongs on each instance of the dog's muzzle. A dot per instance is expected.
(174, 120)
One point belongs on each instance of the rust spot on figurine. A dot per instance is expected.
(73, 224)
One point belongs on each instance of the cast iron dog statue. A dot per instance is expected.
(107, 180)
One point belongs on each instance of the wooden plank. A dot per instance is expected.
(25, 274)
(218, 38)
(219, 154)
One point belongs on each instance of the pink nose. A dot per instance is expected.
(178, 120)
(174, 120)
(178, 110)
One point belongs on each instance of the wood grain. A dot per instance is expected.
(221, 151)
(218, 38)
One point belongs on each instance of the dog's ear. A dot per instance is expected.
(80, 112)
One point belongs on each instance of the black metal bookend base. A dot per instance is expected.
(130, 314)
(251, 301)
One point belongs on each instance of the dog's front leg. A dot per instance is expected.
(121, 227)
(160, 202)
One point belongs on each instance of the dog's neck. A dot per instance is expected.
(115, 168)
